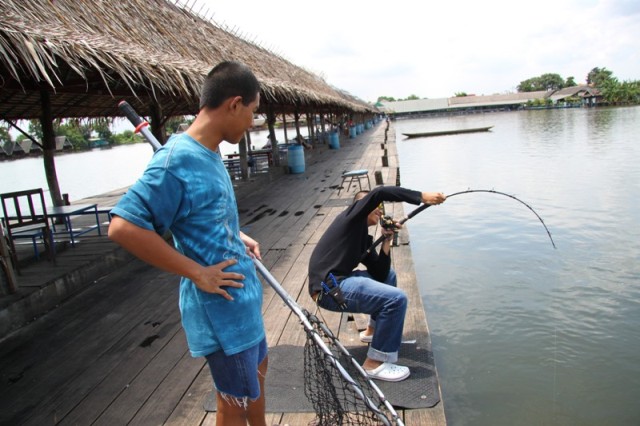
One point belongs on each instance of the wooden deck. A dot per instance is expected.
(115, 353)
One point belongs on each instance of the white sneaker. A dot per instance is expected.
(389, 372)
(365, 338)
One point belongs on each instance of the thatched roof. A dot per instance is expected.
(91, 54)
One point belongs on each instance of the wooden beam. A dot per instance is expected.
(49, 148)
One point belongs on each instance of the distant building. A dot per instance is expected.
(587, 95)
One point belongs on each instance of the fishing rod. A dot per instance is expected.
(141, 126)
(468, 191)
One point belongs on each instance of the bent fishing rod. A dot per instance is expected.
(301, 313)
(468, 191)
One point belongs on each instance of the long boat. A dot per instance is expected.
(447, 132)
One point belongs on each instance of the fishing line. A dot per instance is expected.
(491, 191)
(468, 191)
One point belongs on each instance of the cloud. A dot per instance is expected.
(437, 49)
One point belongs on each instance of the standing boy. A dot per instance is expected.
(186, 190)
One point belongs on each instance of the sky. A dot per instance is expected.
(437, 49)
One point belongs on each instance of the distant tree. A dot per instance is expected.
(460, 94)
(5, 136)
(35, 130)
(616, 93)
(412, 98)
(173, 123)
(74, 135)
(529, 85)
(548, 81)
(598, 76)
(571, 82)
(126, 137)
(386, 98)
(551, 81)
(102, 127)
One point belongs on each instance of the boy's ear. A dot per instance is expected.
(235, 102)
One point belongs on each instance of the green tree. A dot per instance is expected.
(551, 81)
(126, 137)
(571, 82)
(5, 136)
(548, 81)
(102, 127)
(529, 85)
(35, 130)
(460, 94)
(412, 98)
(173, 123)
(386, 98)
(74, 135)
(616, 93)
(598, 76)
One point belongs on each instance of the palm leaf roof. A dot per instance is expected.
(91, 54)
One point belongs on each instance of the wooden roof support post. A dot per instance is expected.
(157, 123)
(296, 116)
(323, 126)
(284, 126)
(271, 119)
(311, 127)
(244, 164)
(49, 148)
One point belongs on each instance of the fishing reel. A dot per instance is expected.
(388, 223)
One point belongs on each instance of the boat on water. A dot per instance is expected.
(447, 132)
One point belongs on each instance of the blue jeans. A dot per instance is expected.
(386, 305)
(236, 376)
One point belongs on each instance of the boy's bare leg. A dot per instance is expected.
(256, 411)
(230, 413)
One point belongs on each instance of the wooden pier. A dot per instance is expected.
(115, 352)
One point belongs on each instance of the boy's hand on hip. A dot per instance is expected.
(212, 278)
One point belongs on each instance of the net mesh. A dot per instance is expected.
(339, 393)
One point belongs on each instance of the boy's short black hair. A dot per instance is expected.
(228, 79)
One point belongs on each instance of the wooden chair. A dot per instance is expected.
(25, 217)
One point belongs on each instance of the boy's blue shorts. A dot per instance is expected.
(237, 375)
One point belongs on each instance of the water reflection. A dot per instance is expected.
(525, 334)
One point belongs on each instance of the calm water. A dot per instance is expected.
(89, 173)
(524, 334)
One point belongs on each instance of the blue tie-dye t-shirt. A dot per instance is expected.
(187, 190)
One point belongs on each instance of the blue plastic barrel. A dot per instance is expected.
(334, 140)
(295, 159)
(352, 132)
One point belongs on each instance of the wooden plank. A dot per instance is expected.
(72, 359)
(161, 403)
(135, 393)
(86, 395)
(189, 409)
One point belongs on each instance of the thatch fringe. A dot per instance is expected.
(150, 49)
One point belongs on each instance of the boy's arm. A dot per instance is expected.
(253, 246)
(152, 248)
